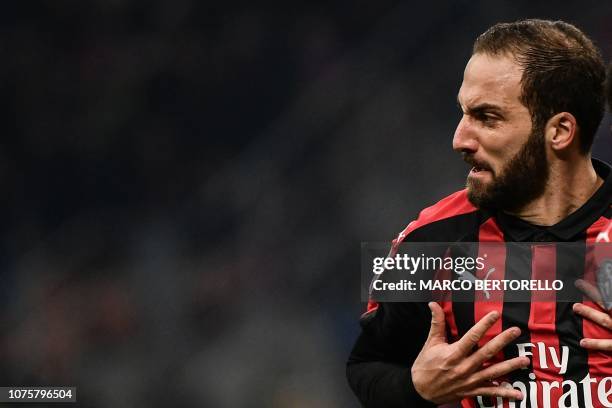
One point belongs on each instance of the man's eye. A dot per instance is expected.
(487, 118)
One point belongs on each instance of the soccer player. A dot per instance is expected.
(532, 98)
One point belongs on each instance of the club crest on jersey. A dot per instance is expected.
(604, 282)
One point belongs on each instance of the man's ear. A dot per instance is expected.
(561, 131)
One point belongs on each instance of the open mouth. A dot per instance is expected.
(479, 169)
(477, 166)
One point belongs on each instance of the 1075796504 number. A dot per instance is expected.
(37, 394)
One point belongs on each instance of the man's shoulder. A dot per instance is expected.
(450, 206)
(447, 209)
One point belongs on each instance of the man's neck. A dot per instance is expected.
(569, 187)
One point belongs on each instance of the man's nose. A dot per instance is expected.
(465, 139)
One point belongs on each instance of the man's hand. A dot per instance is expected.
(600, 317)
(445, 372)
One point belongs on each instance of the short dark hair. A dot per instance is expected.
(563, 71)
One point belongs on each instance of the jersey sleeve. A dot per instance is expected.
(393, 334)
(378, 368)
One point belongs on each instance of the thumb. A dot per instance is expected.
(437, 331)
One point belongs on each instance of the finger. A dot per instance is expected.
(591, 291)
(470, 339)
(500, 369)
(489, 350)
(601, 318)
(437, 331)
(597, 344)
(501, 391)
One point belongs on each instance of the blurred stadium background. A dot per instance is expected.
(185, 186)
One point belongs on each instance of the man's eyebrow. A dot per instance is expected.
(482, 107)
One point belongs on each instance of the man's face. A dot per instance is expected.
(495, 136)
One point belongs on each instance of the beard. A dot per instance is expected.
(522, 179)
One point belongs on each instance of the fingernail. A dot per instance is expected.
(583, 343)
(494, 314)
(516, 331)
(519, 396)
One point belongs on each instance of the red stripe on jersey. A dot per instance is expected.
(468, 403)
(485, 302)
(495, 267)
(600, 363)
(372, 305)
(447, 306)
(542, 325)
(444, 299)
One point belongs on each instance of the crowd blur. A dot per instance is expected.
(185, 186)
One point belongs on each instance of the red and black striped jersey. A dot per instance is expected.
(561, 373)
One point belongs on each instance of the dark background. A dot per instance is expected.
(184, 187)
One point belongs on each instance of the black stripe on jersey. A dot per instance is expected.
(570, 266)
(463, 301)
(518, 266)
